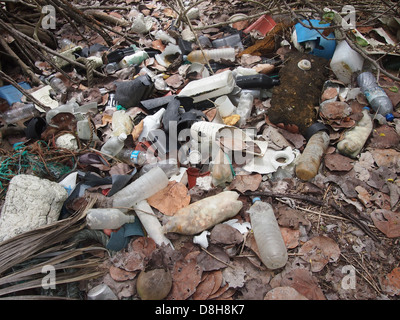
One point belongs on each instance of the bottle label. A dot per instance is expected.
(135, 156)
(376, 92)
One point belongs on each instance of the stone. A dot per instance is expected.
(30, 202)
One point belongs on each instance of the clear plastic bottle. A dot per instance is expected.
(309, 161)
(151, 123)
(112, 67)
(376, 96)
(114, 145)
(272, 248)
(131, 156)
(140, 189)
(58, 85)
(355, 138)
(20, 112)
(244, 107)
(169, 166)
(101, 292)
(107, 218)
(212, 54)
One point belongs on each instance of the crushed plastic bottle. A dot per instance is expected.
(272, 248)
(107, 218)
(150, 222)
(376, 96)
(244, 107)
(204, 214)
(309, 161)
(140, 189)
(19, 112)
(114, 145)
(355, 138)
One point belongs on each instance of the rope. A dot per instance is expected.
(89, 70)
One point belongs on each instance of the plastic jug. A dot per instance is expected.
(345, 62)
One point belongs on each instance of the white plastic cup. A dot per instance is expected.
(225, 106)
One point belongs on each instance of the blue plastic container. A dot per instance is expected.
(321, 47)
(12, 94)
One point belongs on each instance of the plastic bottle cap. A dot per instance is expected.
(256, 199)
(389, 117)
(304, 64)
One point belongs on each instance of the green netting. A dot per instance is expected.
(38, 159)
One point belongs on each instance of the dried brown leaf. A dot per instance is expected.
(304, 283)
(186, 276)
(391, 282)
(284, 293)
(338, 162)
(119, 274)
(170, 199)
(387, 222)
(205, 288)
(290, 237)
(225, 234)
(243, 183)
(319, 251)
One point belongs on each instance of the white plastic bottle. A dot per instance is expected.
(272, 248)
(355, 138)
(209, 87)
(376, 96)
(150, 223)
(114, 145)
(309, 161)
(345, 62)
(150, 123)
(212, 54)
(107, 218)
(140, 189)
(244, 107)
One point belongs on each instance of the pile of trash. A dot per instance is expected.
(187, 135)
